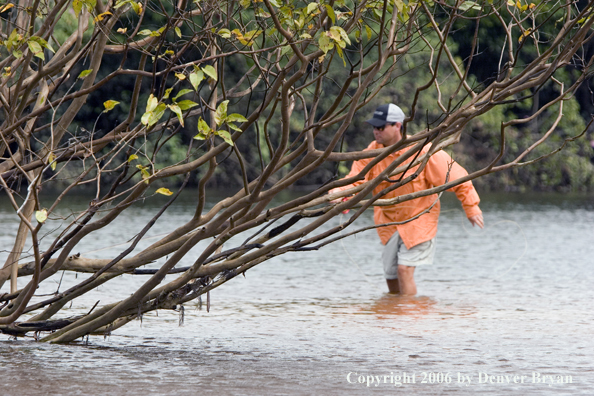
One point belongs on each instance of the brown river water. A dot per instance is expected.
(506, 310)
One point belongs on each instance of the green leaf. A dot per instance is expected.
(136, 7)
(331, 13)
(196, 78)
(311, 7)
(299, 22)
(276, 3)
(471, 4)
(13, 35)
(343, 34)
(236, 118)
(261, 13)
(151, 117)
(221, 113)
(41, 215)
(334, 34)
(77, 7)
(325, 43)
(164, 191)
(226, 137)
(157, 114)
(152, 103)
(339, 51)
(210, 72)
(182, 93)
(85, 73)
(186, 104)
(286, 11)
(285, 50)
(109, 105)
(122, 3)
(42, 42)
(145, 117)
(145, 32)
(13, 40)
(36, 49)
(234, 127)
(51, 158)
(17, 54)
(145, 174)
(224, 33)
(178, 32)
(249, 37)
(177, 110)
(200, 136)
(167, 93)
(157, 33)
(203, 127)
(132, 158)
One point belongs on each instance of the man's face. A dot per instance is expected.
(388, 134)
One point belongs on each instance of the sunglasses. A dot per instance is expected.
(382, 127)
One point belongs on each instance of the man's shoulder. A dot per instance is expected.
(441, 155)
(374, 145)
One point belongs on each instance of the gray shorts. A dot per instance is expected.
(395, 253)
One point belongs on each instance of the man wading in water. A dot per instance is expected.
(411, 244)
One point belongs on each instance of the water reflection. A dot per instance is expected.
(398, 305)
(301, 323)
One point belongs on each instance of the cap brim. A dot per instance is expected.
(376, 123)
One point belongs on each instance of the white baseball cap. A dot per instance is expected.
(386, 114)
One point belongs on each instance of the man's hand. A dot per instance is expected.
(477, 220)
(339, 200)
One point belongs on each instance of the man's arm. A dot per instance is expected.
(437, 170)
(356, 168)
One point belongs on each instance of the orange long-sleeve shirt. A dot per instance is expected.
(434, 174)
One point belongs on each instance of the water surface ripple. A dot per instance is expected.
(513, 300)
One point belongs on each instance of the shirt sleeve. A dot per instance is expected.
(437, 170)
(356, 168)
